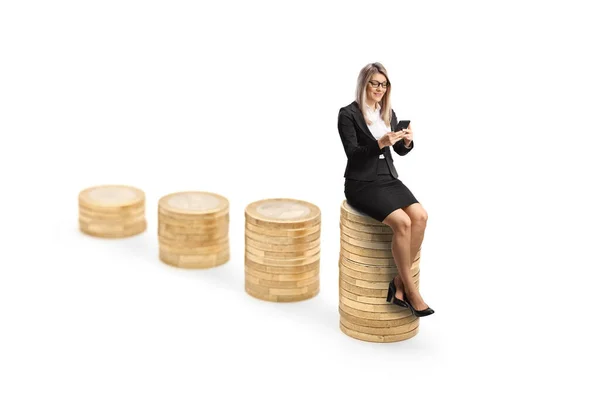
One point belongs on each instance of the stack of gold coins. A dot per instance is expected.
(193, 229)
(112, 211)
(282, 255)
(366, 268)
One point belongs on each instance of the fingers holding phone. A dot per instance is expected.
(390, 138)
(404, 127)
(407, 135)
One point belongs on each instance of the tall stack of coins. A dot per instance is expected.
(282, 257)
(112, 211)
(366, 268)
(193, 229)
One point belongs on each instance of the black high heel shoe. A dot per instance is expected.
(419, 313)
(391, 296)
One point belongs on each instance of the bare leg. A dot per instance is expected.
(406, 242)
(400, 223)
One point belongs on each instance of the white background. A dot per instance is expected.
(242, 99)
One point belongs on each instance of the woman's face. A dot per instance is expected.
(375, 94)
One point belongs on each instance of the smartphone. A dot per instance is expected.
(403, 124)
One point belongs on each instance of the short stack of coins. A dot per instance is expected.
(282, 250)
(112, 211)
(193, 229)
(366, 267)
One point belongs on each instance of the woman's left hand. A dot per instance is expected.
(408, 135)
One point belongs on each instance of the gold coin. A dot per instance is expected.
(368, 269)
(368, 292)
(282, 262)
(387, 253)
(280, 284)
(111, 198)
(194, 261)
(377, 316)
(286, 248)
(111, 216)
(188, 243)
(178, 230)
(372, 277)
(378, 338)
(360, 291)
(281, 298)
(383, 229)
(352, 214)
(283, 213)
(365, 244)
(367, 277)
(372, 308)
(281, 277)
(283, 255)
(112, 223)
(390, 323)
(380, 262)
(282, 231)
(380, 300)
(395, 330)
(283, 240)
(372, 237)
(277, 291)
(194, 223)
(113, 232)
(191, 237)
(282, 270)
(201, 250)
(193, 204)
(368, 284)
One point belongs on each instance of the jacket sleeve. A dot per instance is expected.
(350, 142)
(399, 146)
(401, 149)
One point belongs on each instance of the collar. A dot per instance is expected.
(377, 107)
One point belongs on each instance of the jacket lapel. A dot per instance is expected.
(360, 120)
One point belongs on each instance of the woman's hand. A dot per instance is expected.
(408, 135)
(390, 138)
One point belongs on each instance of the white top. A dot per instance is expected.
(377, 127)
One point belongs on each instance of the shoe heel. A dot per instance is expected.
(391, 292)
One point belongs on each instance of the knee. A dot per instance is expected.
(420, 218)
(401, 225)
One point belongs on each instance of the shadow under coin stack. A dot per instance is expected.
(282, 241)
(112, 211)
(366, 267)
(193, 229)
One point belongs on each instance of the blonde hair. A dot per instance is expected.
(361, 92)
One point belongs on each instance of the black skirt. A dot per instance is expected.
(381, 197)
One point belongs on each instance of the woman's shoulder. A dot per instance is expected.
(350, 107)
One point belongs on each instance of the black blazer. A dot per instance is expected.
(361, 147)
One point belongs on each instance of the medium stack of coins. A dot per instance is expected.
(282, 254)
(112, 211)
(193, 229)
(366, 268)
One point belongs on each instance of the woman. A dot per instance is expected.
(367, 128)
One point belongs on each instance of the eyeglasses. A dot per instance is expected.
(376, 84)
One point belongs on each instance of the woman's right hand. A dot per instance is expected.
(390, 138)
